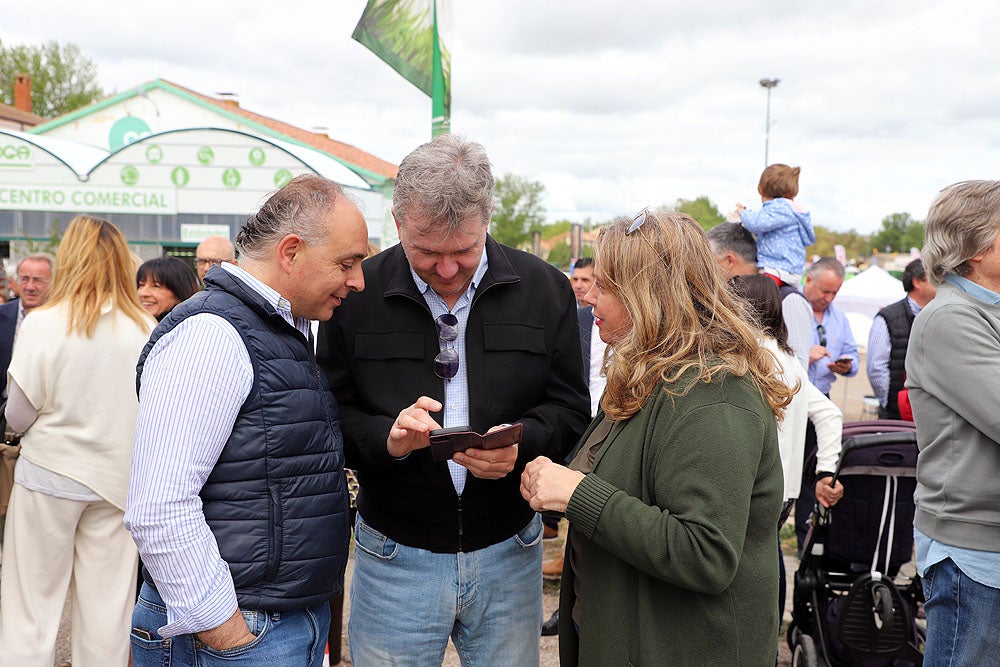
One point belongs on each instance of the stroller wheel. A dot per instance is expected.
(882, 606)
(792, 635)
(804, 654)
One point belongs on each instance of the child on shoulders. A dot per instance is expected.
(782, 229)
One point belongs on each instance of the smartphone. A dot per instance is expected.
(842, 359)
(446, 441)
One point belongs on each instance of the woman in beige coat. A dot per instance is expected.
(72, 394)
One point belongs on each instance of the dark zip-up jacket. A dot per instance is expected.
(524, 361)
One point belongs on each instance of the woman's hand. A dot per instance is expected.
(548, 486)
(828, 494)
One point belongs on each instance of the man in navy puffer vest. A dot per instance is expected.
(237, 499)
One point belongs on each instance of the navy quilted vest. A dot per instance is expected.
(277, 499)
(899, 320)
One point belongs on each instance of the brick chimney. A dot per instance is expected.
(22, 92)
(228, 99)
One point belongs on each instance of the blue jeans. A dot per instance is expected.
(962, 618)
(406, 602)
(283, 638)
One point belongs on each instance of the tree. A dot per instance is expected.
(704, 212)
(856, 245)
(518, 209)
(899, 233)
(556, 228)
(51, 244)
(62, 78)
(559, 256)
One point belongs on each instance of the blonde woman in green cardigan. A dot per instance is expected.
(676, 488)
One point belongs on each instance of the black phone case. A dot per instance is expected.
(446, 441)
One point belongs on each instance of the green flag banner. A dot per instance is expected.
(406, 35)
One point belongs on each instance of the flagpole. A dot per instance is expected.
(440, 122)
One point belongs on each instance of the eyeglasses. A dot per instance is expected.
(446, 362)
(637, 222)
(209, 261)
(822, 335)
(31, 280)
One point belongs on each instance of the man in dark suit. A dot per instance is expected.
(33, 276)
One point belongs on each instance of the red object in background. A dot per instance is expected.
(905, 410)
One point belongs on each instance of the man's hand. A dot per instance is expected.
(411, 427)
(817, 352)
(488, 463)
(231, 634)
(828, 494)
(548, 486)
(840, 366)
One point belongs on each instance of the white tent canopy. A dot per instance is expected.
(864, 295)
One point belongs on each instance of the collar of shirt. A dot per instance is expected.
(915, 307)
(280, 303)
(477, 278)
(975, 290)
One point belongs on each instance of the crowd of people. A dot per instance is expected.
(184, 434)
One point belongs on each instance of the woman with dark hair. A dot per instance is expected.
(163, 283)
(673, 496)
(761, 295)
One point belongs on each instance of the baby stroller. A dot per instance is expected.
(850, 604)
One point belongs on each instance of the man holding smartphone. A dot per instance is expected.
(453, 330)
(833, 353)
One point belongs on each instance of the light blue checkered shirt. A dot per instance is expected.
(456, 390)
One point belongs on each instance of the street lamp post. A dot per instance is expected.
(768, 84)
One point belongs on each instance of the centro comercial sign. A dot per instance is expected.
(139, 201)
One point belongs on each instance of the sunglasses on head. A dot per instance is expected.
(637, 222)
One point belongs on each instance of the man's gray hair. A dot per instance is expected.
(826, 264)
(300, 207)
(37, 257)
(448, 179)
(731, 237)
(963, 222)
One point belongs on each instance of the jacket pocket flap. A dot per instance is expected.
(503, 336)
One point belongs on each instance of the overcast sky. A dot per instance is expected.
(613, 106)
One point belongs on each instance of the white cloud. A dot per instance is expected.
(613, 107)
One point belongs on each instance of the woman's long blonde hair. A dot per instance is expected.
(684, 318)
(94, 267)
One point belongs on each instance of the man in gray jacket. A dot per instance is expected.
(952, 366)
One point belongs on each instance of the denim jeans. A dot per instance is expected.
(406, 602)
(283, 638)
(962, 618)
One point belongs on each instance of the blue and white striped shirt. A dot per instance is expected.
(194, 381)
(456, 390)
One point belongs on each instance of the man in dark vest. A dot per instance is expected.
(237, 499)
(889, 336)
